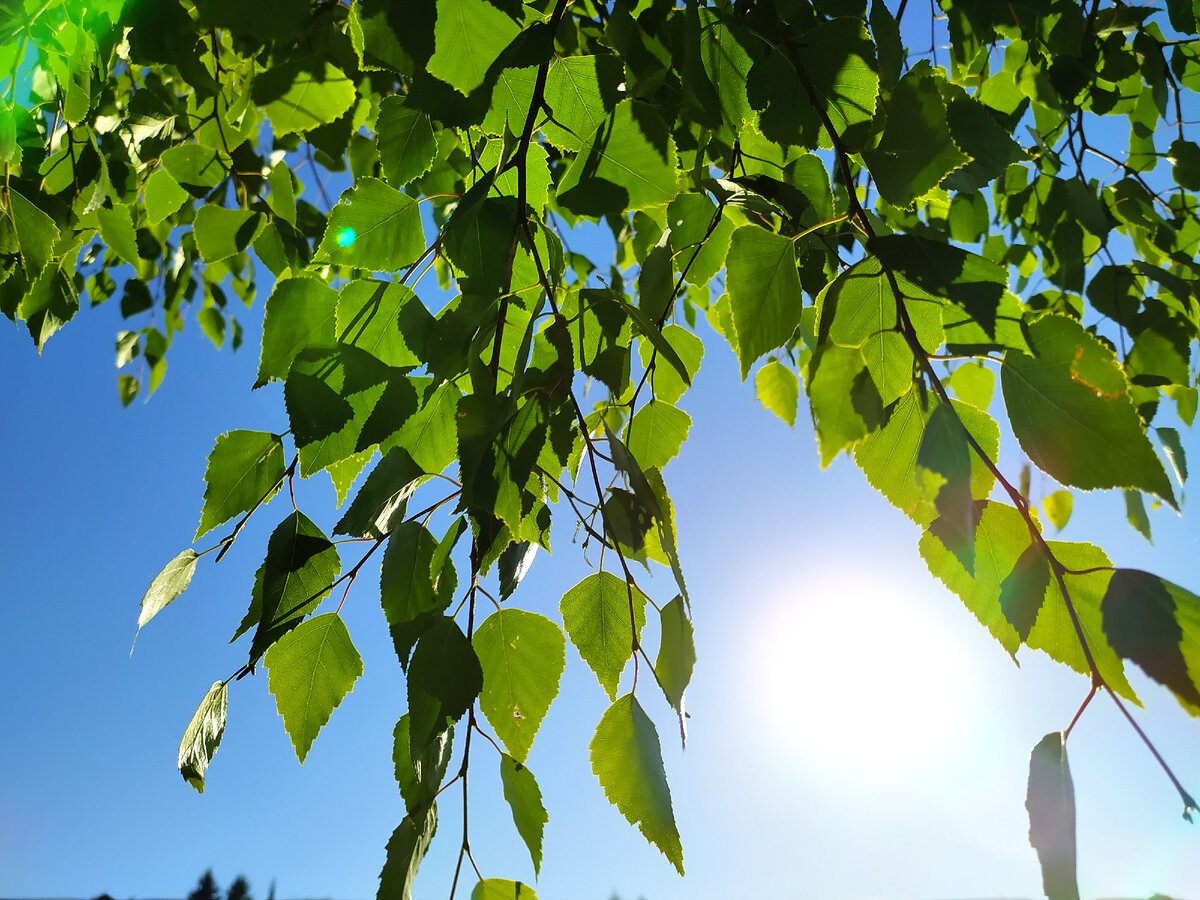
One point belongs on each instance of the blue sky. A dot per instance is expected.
(854, 732)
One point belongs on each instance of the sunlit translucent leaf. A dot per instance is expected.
(167, 585)
(444, 679)
(1024, 589)
(665, 379)
(502, 889)
(116, 230)
(764, 292)
(405, 850)
(202, 736)
(514, 565)
(676, 653)
(1070, 411)
(310, 670)
(1054, 631)
(382, 495)
(1135, 514)
(944, 474)
(859, 309)
(628, 163)
(845, 401)
(194, 165)
(221, 233)
(300, 313)
(303, 94)
(36, 232)
(420, 779)
(525, 799)
(916, 150)
(407, 145)
(411, 596)
(973, 383)
(1173, 450)
(1050, 800)
(244, 468)
(627, 759)
(580, 91)
(778, 389)
(374, 227)
(839, 59)
(522, 656)
(603, 616)
(468, 37)
(656, 433)
(1157, 625)
(163, 196)
(301, 566)
(1058, 506)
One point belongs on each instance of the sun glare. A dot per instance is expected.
(862, 676)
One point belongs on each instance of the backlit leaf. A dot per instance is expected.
(303, 94)
(444, 679)
(405, 850)
(300, 313)
(603, 616)
(627, 759)
(203, 735)
(778, 389)
(525, 799)
(1058, 506)
(764, 292)
(167, 585)
(1070, 410)
(468, 37)
(1050, 800)
(522, 656)
(244, 469)
(502, 889)
(374, 227)
(310, 670)
(407, 145)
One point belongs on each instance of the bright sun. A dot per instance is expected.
(862, 675)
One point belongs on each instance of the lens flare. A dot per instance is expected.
(346, 237)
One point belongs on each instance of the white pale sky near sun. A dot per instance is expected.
(854, 732)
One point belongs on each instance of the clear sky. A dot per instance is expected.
(854, 733)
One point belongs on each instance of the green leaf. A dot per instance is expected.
(1157, 625)
(629, 163)
(167, 585)
(502, 889)
(1071, 413)
(203, 734)
(525, 800)
(859, 309)
(382, 496)
(301, 565)
(430, 435)
(51, 302)
(444, 679)
(627, 759)
(412, 598)
(603, 616)
(419, 779)
(407, 145)
(368, 315)
(1135, 514)
(666, 381)
(1185, 160)
(1024, 589)
(310, 670)
(374, 227)
(330, 396)
(300, 313)
(222, 233)
(1054, 631)
(244, 469)
(916, 151)
(676, 653)
(162, 196)
(468, 36)
(514, 565)
(405, 850)
(778, 389)
(764, 292)
(845, 401)
(36, 233)
(116, 230)
(1050, 800)
(581, 91)
(944, 473)
(194, 165)
(1058, 506)
(303, 94)
(973, 383)
(656, 433)
(1173, 450)
(522, 656)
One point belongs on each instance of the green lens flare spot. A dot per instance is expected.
(346, 237)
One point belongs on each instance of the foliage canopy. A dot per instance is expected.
(876, 227)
